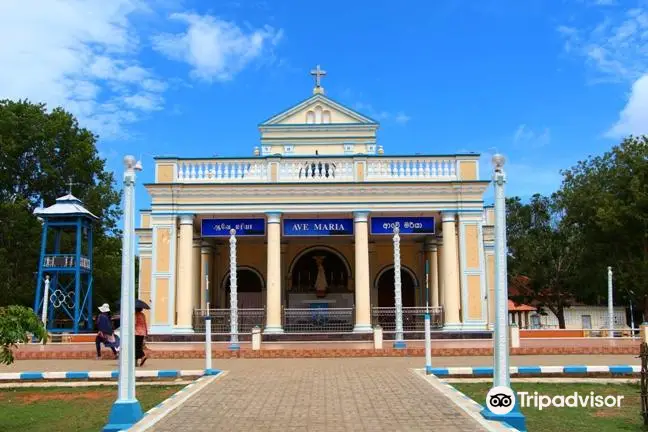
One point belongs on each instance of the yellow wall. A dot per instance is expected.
(145, 283)
(474, 297)
(161, 301)
(468, 170)
(336, 116)
(164, 173)
(162, 246)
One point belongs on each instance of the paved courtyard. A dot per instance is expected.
(368, 394)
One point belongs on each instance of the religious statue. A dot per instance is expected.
(320, 281)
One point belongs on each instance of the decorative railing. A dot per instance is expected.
(64, 261)
(413, 318)
(220, 320)
(316, 169)
(411, 169)
(225, 171)
(317, 320)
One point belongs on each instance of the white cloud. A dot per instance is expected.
(79, 54)
(615, 49)
(378, 115)
(527, 137)
(214, 48)
(402, 118)
(633, 119)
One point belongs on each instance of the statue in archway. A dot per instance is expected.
(320, 281)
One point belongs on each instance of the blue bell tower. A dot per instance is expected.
(66, 264)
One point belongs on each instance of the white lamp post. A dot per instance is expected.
(45, 301)
(208, 333)
(427, 326)
(501, 378)
(399, 343)
(610, 304)
(126, 411)
(234, 342)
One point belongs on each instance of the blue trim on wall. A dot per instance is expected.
(31, 376)
(529, 370)
(77, 375)
(621, 369)
(575, 369)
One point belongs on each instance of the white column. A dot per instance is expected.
(184, 295)
(273, 303)
(197, 283)
(610, 304)
(362, 293)
(206, 260)
(433, 263)
(439, 243)
(450, 270)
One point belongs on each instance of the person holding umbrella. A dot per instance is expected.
(105, 332)
(141, 331)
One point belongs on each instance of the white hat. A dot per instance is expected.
(104, 308)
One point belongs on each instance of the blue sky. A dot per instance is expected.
(545, 82)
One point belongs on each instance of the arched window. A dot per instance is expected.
(310, 117)
(326, 117)
(318, 114)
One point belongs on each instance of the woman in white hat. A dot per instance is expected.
(105, 333)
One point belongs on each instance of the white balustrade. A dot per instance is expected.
(411, 169)
(315, 170)
(224, 171)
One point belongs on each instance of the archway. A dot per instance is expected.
(321, 262)
(385, 285)
(250, 286)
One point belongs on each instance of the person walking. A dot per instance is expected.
(141, 331)
(105, 331)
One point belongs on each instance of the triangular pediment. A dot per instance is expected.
(318, 110)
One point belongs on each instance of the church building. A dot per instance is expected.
(314, 209)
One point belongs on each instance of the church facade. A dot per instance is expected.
(314, 211)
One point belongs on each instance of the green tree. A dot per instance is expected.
(542, 248)
(606, 197)
(16, 325)
(39, 152)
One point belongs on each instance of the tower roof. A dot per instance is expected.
(67, 205)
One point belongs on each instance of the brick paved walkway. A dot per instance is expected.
(374, 394)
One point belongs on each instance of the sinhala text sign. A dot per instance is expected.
(222, 227)
(406, 225)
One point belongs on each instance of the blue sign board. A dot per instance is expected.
(406, 225)
(317, 227)
(222, 227)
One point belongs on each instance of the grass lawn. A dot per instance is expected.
(58, 409)
(626, 418)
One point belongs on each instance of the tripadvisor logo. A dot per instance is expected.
(501, 400)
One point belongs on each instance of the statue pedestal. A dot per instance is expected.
(319, 309)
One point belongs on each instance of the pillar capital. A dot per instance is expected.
(448, 216)
(430, 244)
(186, 219)
(273, 217)
(206, 247)
(361, 216)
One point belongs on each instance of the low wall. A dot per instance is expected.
(551, 334)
